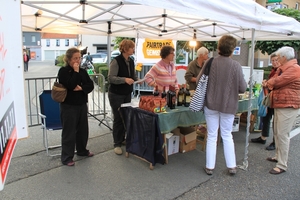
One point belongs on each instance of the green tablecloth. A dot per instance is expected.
(182, 116)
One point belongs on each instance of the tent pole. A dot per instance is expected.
(245, 162)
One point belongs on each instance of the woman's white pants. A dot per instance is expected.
(214, 120)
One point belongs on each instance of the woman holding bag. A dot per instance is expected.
(226, 81)
(270, 111)
(285, 100)
(73, 111)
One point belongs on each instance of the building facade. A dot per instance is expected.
(32, 44)
(54, 44)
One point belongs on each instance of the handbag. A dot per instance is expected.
(262, 109)
(58, 92)
(267, 100)
(198, 99)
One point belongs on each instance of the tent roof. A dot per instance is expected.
(166, 19)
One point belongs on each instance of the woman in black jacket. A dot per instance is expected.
(73, 111)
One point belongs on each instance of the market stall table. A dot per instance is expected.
(159, 124)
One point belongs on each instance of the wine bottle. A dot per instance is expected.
(156, 93)
(171, 97)
(187, 97)
(163, 94)
(180, 97)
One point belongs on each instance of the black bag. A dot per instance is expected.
(58, 92)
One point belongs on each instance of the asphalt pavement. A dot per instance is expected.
(34, 175)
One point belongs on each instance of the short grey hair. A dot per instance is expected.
(287, 52)
(202, 51)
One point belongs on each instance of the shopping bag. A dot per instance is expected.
(198, 99)
(58, 92)
(267, 100)
(262, 109)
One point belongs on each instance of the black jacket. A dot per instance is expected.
(70, 79)
(123, 89)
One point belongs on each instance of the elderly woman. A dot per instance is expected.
(285, 99)
(163, 73)
(121, 76)
(226, 81)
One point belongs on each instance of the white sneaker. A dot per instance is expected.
(118, 150)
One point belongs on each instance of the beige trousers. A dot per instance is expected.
(283, 122)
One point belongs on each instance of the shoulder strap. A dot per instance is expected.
(207, 67)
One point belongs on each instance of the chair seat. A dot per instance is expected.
(50, 117)
(54, 127)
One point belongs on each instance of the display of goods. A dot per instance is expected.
(154, 104)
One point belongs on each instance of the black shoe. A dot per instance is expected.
(258, 140)
(271, 147)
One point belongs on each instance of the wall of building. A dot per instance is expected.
(32, 44)
(95, 43)
(50, 49)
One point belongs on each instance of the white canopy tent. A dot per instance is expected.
(165, 19)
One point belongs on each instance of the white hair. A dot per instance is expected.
(202, 51)
(287, 52)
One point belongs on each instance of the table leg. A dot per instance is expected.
(165, 149)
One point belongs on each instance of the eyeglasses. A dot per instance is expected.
(172, 53)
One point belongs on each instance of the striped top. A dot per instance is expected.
(162, 74)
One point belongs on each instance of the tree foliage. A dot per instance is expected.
(271, 46)
(118, 40)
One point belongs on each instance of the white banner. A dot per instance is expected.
(13, 123)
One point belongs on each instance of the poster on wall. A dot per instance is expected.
(13, 124)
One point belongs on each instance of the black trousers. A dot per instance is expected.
(266, 122)
(75, 131)
(115, 101)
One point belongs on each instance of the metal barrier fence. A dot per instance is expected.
(144, 87)
(98, 106)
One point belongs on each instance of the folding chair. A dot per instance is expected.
(50, 117)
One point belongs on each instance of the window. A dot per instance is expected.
(48, 43)
(57, 43)
(75, 43)
(23, 38)
(33, 38)
(66, 42)
(297, 6)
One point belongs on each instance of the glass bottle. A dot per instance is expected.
(163, 94)
(187, 97)
(156, 93)
(180, 97)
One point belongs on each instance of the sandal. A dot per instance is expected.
(232, 171)
(273, 171)
(208, 171)
(272, 159)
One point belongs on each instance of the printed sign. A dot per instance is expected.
(148, 50)
(13, 123)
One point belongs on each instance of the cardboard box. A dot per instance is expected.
(172, 143)
(187, 138)
(236, 123)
